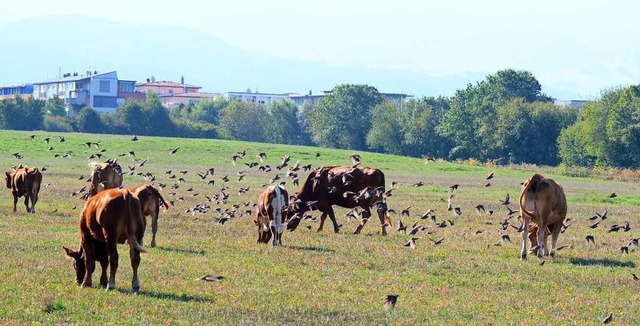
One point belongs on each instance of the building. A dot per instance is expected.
(166, 88)
(172, 101)
(25, 90)
(98, 91)
(300, 100)
(254, 97)
(576, 104)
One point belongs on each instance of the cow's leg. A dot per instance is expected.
(524, 233)
(89, 262)
(34, 200)
(332, 215)
(274, 233)
(104, 262)
(322, 218)
(26, 203)
(112, 253)
(135, 263)
(542, 230)
(366, 214)
(154, 226)
(15, 202)
(554, 238)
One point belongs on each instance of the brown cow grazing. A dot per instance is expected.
(25, 182)
(150, 201)
(112, 216)
(270, 214)
(542, 201)
(347, 187)
(106, 175)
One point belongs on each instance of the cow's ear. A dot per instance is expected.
(70, 252)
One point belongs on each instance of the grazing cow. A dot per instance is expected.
(270, 214)
(150, 201)
(542, 201)
(112, 216)
(106, 175)
(25, 182)
(347, 187)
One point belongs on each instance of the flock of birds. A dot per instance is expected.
(227, 209)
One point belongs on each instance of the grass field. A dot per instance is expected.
(315, 278)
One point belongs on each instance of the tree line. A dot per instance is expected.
(504, 119)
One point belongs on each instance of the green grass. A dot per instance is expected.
(316, 278)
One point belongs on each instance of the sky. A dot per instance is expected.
(587, 46)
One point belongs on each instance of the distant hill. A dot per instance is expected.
(37, 49)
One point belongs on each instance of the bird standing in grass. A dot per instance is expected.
(390, 302)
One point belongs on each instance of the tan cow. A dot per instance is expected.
(542, 201)
(150, 200)
(112, 216)
(106, 175)
(270, 215)
(25, 182)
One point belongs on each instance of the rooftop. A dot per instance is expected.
(164, 83)
(71, 77)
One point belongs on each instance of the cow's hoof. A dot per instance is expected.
(523, 256)
(153, 244)
(135, 289)
(111, 286)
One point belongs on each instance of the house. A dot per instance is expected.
(254, 97)
(576, 104)
(166, 88)
(24, 90)
(99, 91)
(300, 100)
(172, 101)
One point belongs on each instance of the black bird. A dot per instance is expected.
(480, 209)
(405, 212)
(411, 243)
(134, 138)
(613, 195)
(401, 226)
(506, 200)
(317, 154)
(356, 159)
(210, 278)
(607, 319)
(61, 139)
(505, 238)
(635, 277)
(454, 187)
(390, 302)
(437, 242)
(262, 156)
(457, 211)
(32, 136)
(175, 150)
(46, 140)
(418, 184)
(590, 239)
(624, 250)
(490, 176)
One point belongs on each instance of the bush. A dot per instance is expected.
(58, 124)
(195, 129)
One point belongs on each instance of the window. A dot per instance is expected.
(105, 86)
(126, 87)
(170, 92)
(105, 102)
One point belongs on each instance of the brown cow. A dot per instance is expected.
(347, 187)
(106, 175)
(112, 216)
(150, 200)
(270, 214)
(25, 182)
(542, 201)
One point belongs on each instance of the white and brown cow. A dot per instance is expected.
(542, 201)
(270, 214)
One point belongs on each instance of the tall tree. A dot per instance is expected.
(88, 120)
(243, 121)
(55, 106)
(342, 119)
(282, 125)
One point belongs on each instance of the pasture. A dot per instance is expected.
(472, 277)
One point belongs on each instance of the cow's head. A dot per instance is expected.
(78, 263)
(8, 177)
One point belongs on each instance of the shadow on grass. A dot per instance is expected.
(311, 248)
(183, 251)
(602, 262)
(169, 296)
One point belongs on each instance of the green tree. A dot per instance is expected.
(130, 118)
(342, 119)
(55, 106)
(386, 134)
(88, 120)
(282, 126)
(243, 121)
(156, 121)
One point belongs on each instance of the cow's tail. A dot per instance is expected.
(134, 214)
(277, 204)
(159, 196)
(531, 187)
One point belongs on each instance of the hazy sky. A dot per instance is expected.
(588, 45)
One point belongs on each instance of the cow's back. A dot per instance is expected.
(543, 194)
(107, 213)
